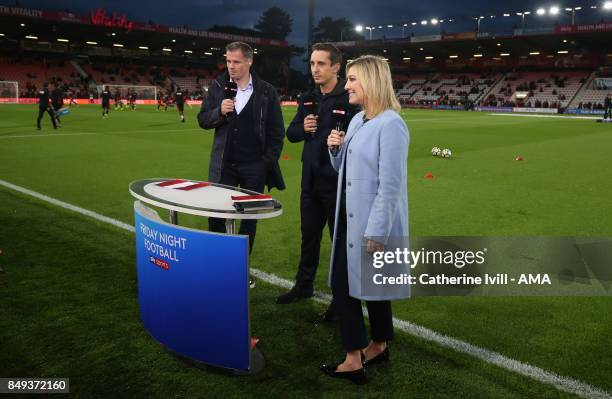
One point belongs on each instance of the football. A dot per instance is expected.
(435, 151)
(446, 153)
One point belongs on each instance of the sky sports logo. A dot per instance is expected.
(159, 263)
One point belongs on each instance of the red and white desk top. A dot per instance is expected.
(196, 198)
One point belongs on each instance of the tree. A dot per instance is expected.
(275, 23)
(334, 30)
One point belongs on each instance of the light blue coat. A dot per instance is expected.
(376, 193)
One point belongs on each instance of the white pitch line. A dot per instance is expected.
(157, 131)
(47, 135)
(565, 384)
(68, 206)
(90, 134)
(549, 116)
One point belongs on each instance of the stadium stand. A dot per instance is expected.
(446, 88)
(410, 86)
(544, 89)
(592, 96)
(31, 72)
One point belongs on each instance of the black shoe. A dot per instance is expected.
(382, 357)
(295, 294)
(356, 376)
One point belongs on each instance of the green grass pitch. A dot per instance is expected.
(68, 305)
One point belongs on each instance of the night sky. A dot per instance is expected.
(245, 13)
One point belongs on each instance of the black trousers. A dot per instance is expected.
(350, 316)
(41, 112)
(247, 175)
(317, 207)
(607, 112)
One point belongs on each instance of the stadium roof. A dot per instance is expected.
(104, 29)
(561, 40)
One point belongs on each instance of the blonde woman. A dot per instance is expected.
(371, 212)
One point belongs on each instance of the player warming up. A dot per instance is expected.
(179, 100)
(105, 96)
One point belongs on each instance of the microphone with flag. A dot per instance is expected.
(339, 114)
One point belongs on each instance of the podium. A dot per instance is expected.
(193, 289)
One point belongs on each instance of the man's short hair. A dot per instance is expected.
(335, 55)
(246, 50)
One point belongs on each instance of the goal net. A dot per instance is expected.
(9, 92)
(142, 92)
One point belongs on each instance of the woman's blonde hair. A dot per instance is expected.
(374, 75)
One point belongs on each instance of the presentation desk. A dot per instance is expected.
(193, 285)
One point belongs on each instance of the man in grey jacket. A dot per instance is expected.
(249, 132)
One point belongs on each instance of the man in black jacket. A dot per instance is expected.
(43, 106)
(319, 179)
(249, 132)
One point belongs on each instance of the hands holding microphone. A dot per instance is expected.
(335, 140)
(227, 106)
(310, 123)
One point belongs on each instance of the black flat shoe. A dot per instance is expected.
(382, 357)
(356, 376)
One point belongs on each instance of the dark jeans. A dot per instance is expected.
(247, 175)
(350, 316)
(41, 112)
(317, 207)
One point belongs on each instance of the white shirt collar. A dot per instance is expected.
(248, 86)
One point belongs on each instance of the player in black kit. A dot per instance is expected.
(132, 100)
(179, 100)
(166, 101)
(105, 96)
(43, 106)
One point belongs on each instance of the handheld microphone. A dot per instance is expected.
(311, 106)
(229, 92)
(339, 114)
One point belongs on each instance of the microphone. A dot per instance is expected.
(229, 92)
(339, 114)
(310, 105)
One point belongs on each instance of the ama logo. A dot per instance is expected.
(539, 279)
